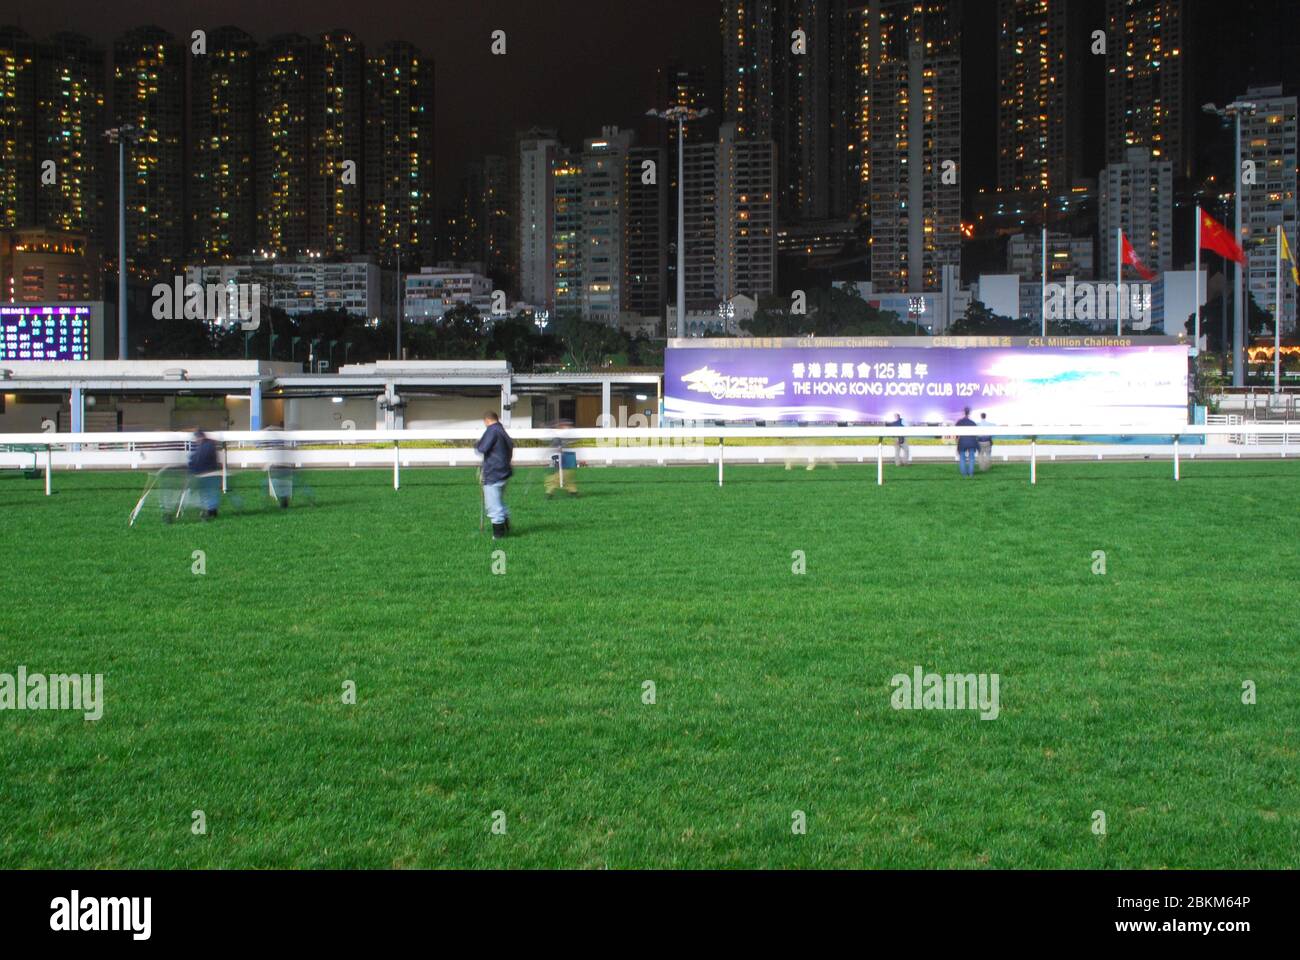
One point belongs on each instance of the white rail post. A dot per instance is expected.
(1175, 457)
(397, 459)
(720, 443)
(880, 463)
(49, 466)
(223, 467)
(1033, 460)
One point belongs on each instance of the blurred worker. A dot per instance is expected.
(279, 467)
(497, 450)
(205, 471)
(902, 452)
(966, 447)
(986, 445)
(562, 477)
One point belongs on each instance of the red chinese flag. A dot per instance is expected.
(1215, 236)
(1131, 260)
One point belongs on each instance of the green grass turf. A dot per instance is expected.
(523, 692)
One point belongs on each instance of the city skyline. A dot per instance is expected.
(866, 121)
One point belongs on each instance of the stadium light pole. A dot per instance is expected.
(120, 136)
(1235, 111)
(400, 287)
(680, 115)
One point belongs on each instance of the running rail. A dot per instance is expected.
(371, 448)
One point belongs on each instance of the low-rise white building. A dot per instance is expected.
(433, 291)
(306, 284)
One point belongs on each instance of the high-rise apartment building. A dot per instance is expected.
(730, 220)
(488, 217)
(604, 161)
(223, 125)
(746, 217)
(700, 185)
(645, 233)
(911, 141)
(400, 201)
(1137, 196)
(747, 64)
(814, 120)
(1269, 144)
(538, 152)
(336, 95)
(1147, 81)
(283, 144)
(1040, 111)
(19, 175)
(69, 123)
(149, 94)
(567, 239)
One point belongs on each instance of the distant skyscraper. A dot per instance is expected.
(499, 205)
(1269, 142)
(815, 107)
(1137, 196)
(911, 136)
(567, 238)
(451, 237)
(645, 234)
(336, 123)
(730, 220)
(747, 52)
(1147, 81)
(283, 144)
(702, 207)
(149, 93)
(69, 121)
(746, 218)
(538, 152)
(399, 168)
(604, 159)
(486, 212)
(19, 176)
(1040, 111)
(223, 124)
(472, 212)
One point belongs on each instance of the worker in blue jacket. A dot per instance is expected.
(967, 447)
(497, 450)
(205, 469)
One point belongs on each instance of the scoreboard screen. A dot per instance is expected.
(44, 332)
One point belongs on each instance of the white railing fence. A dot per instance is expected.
(242, 449)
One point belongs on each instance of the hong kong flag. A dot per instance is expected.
(1215, 236)
(1131, 260)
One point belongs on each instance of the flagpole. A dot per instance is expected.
(1196, 335)
(1119, 279)
(1277, 320)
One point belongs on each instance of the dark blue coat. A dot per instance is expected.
(497, 448)
(967, 443)
(203, 457)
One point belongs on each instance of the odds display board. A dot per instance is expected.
(1051, 381)
(45, 332)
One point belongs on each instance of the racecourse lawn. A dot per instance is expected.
(523, 692)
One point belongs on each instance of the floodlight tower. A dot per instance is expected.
(680, 114)
(127, 132)
(1235, 110)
